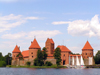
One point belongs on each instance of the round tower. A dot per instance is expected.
(15, 52)
(87, 51)
(33, 49)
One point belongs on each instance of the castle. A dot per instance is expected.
(31, 54)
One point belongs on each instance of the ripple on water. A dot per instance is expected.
(31, 71)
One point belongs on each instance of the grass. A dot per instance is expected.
(53, 66)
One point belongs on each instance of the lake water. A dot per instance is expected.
(30, 71)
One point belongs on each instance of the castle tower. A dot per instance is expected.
(87, 52)
(50, 46)
(65, 52)
(15, 52)
(33, 49)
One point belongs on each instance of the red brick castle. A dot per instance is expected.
(31, 53)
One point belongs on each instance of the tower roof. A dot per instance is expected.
(63, 48)
(34, 44)
(16, 49)
(87, 46)
(51, 41)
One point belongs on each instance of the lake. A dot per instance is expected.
(31, 71)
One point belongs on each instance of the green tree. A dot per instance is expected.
(57, 56)
(39, 60)
(1, 57)
(28, 63)
(2, 64)
(44, 52)
(8, 58)
(20, 56)
(97, 57)
(0, 54)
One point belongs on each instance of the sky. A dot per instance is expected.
(67, 22)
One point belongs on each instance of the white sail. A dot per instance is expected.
(82, 62)
(72, 60)
(77, 61)
(69, 59)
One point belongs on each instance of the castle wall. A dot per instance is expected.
(32, 54)
(87, 53)
(65, 58)
(53, 61)
(14, 55)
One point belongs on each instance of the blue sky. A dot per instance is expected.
(68, 22)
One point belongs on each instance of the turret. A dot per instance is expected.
(15, 52)
(50, 46)
(33, 49)
(87, 54)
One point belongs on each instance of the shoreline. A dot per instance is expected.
(54, 66)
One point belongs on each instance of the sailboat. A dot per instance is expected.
(81, 64)
(77, 61)
(72, 60)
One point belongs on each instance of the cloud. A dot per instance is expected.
(60, 22)
(41, 35)
(88, 28)
(11, 21)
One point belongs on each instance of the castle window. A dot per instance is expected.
(86, 53)
(64, 54)
(32, 53)
(32, 56)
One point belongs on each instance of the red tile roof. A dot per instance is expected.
(16, 49)
(87, 46)
(34, 44)
(25, 53)
(63, 48)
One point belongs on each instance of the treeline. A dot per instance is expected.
(5, 60)
(97, 57)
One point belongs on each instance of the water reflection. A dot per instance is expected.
(31, 71)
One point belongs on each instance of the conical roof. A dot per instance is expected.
(87, 46)
(16, 49)
(34, 44)
(63, 48)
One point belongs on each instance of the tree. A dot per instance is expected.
(28, 63)
(8, 58)
(57, 56)
(20, 56)
(97, 57)
(0, 54)
(44, 54)
(39, 60)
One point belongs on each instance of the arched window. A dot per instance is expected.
(86, 53)
(32, 56)
(32, 53)
(64, 54)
